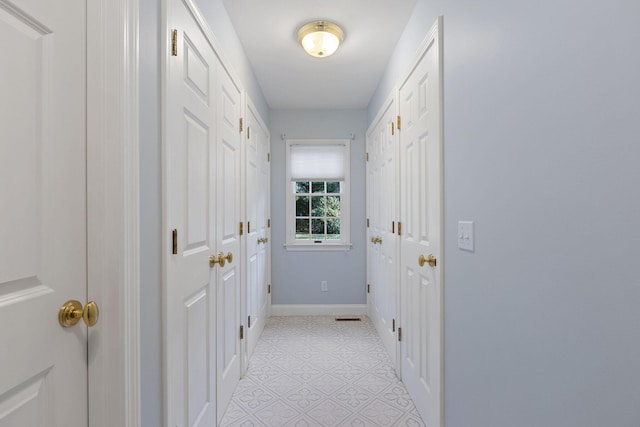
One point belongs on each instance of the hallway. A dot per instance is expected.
(316, 371)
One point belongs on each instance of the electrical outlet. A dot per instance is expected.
(323, 286)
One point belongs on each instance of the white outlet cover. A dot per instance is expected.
(465, 236)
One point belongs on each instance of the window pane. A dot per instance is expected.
(318, 206)
(317, 187)
(333, 206)
(317, 228)
(302, 228)
(302, 206)
(333, 187)
(333, 229)
(302, 187)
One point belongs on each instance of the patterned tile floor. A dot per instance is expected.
(314, 371)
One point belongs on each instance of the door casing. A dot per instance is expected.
(113, 211)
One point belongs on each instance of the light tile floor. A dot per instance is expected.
(315, 371)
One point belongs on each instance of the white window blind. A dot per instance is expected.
(317, 162)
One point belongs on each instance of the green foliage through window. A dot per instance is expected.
(317, 210)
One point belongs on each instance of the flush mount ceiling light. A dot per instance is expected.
(320, 38)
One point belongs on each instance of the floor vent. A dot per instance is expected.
(348, 319)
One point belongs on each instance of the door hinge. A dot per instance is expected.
(393, 227)
(249, 322)
(399, 123)
(399, 229)
(368, 223)
(241, 228)
(248, 227)
(393, 128)
(368, 288)
(174, 42)
(367, 157)
(269, 223)
(399, 334)
(268, 157)
(241, 332)
(248, 132)
(174, 235)
(240, 126)
(393, 325)
(268, 289)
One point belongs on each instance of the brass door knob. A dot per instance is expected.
(431, 260)
(71, 313)
(217, 259)
(229, 257)
(376, 239)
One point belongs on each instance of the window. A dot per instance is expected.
(318, 194)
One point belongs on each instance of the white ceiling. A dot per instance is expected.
(292, 79)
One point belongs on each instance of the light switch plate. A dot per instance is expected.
(465, 235)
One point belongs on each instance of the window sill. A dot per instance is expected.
(318, 247)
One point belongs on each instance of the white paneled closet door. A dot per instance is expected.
(383, 242)
(190, 223)
(257, 211)
(43, 212)
(373, 228)
(228, 243)
(421, 236)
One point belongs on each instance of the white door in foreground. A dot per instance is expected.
(43, 254)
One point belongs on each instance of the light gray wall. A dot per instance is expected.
(216, 15)
(296, 276)
(150, 183)
(150, 215)
(542, 141)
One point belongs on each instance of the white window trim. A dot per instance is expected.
(345, 212)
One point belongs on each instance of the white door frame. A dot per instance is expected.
(113, 211)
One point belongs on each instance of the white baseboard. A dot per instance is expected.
(318, 309)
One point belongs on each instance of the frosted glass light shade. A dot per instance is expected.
(320, 38)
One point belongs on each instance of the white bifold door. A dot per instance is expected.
(382, 196)
(421, 234)
(202, 212)
(257, 178)
(43, 212)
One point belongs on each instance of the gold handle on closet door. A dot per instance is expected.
(229, 257)
(71, 313)
(431, 260)
(217, 259)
